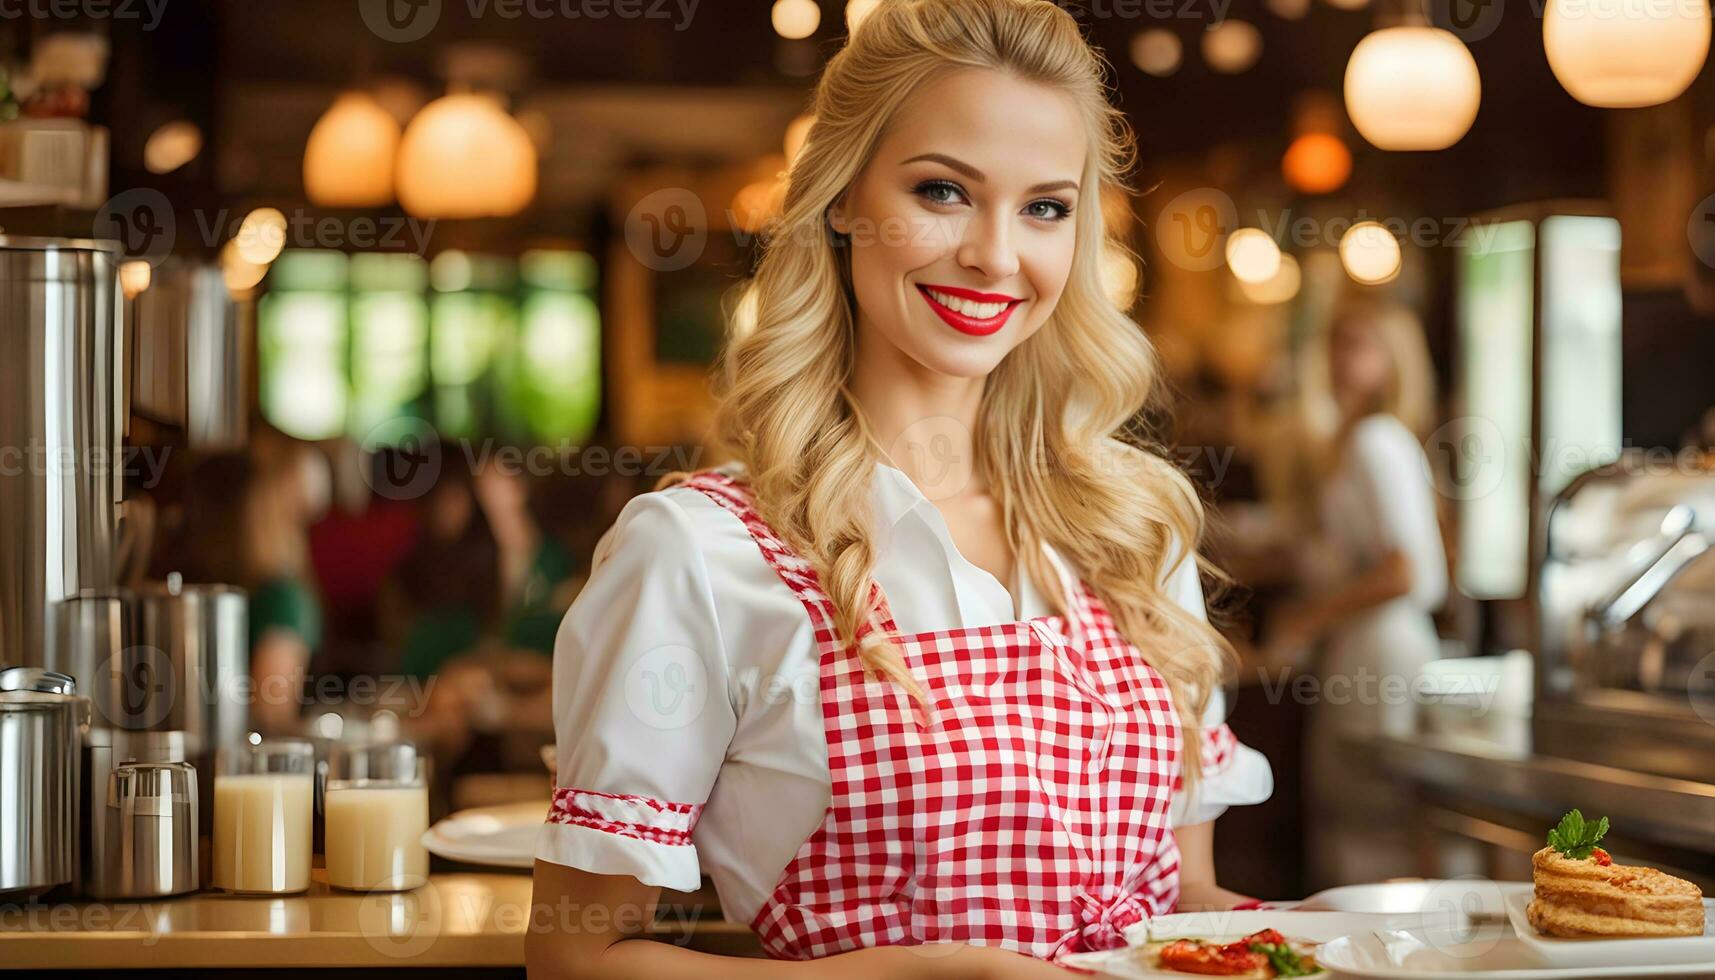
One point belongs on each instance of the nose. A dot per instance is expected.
(987, 248)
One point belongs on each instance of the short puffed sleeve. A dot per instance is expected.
(642, 713)
(1233, 774)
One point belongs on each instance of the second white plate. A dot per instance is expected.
(498, 836)
(1490, 952)
(1640, 951)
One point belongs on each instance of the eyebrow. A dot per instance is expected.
(973, 173)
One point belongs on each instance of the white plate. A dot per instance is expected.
(1490, 952)
(498, 836)
(1468, 896)
(1639, 951)
(1314, 927)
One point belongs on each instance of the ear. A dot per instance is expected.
(837, 218)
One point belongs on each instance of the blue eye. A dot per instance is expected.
(1056, 210)
(939, 192)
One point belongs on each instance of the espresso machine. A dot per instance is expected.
(1625, 610)
(161, 669)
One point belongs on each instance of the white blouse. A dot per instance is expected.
(687, 672)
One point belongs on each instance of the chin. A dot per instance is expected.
(963, 361)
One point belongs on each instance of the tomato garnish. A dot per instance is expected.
(1601, 857)
(1207, 959)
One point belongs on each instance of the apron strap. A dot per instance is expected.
(736, 497)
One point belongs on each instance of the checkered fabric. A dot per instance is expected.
(626, 815)
(1030, 809)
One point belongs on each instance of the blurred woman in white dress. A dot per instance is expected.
(1378, 574)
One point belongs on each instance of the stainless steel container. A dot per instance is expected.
(166, 658)
(42, 722)
(61, 419)
(102, 832)
(196, 640)
(152, 812)
(192, 359)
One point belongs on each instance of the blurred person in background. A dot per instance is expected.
(443, 598)
(536, 571)
(1378, 573)
(244, 524)
(476, 604)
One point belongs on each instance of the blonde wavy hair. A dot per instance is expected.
(1056, 414)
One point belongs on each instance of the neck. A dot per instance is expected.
(923, 421)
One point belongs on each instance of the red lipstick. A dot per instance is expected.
(964, 322)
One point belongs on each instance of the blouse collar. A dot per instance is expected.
(894, 497)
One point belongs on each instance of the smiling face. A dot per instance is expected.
(961, 225)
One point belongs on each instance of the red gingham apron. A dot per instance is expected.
(1032, 811)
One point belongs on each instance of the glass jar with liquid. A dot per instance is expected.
(376, 810)
(263, 804)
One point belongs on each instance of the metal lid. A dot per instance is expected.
(38, 680)
(24, 243)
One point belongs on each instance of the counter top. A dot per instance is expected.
(455, 920)
(1672, 811)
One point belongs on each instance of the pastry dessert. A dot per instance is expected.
(1581, 892)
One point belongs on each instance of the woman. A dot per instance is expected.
(1383, 573)
(916, 678)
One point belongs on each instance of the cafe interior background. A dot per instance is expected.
(388, 308)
